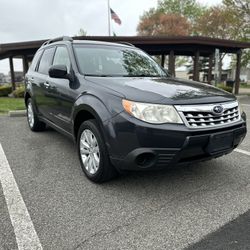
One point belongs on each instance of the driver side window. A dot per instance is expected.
(62, 57)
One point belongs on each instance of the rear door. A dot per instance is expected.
(44, 101)
(32, 76)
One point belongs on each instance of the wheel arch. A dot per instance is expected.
(27, 95)
(91, 110)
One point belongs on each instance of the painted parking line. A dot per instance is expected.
(242, 151)
(248, 105)
(25, 233)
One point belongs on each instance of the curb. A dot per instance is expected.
(17, 113)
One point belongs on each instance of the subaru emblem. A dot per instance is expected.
(218, 109)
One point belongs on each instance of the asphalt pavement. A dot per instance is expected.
(202, 206)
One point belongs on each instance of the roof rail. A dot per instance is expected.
(57, 39)
(126, 43)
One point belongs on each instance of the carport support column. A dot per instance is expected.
(210, 68)
(237, 72)
(171, 63)
(162, 60)
(196, 66)
(25, 65)
(12, 73)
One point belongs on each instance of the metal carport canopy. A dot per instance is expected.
(194, 46)
(154, 45)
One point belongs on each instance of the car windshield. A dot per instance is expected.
(116, 61)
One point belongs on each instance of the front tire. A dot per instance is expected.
(33, 121)
(93, 154)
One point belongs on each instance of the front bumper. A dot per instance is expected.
(136, 145)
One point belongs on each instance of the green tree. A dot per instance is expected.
(158, 23)
(241, 10)
(172, 18)
(166, 11)
(190, 9)
(219, 22)
(223, 22)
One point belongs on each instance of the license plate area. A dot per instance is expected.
(220, 142)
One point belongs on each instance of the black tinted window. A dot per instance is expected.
(62, 57)
(46, 61)
(35, 60)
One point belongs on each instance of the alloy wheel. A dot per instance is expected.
(30, 114)
(89, 151)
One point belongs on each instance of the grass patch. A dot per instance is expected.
(7, 104)
(245, 86)
(226, 88)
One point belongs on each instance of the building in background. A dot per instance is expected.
(7, 78)
(182, 72)
(3, 78)
(18, 76)
(244, 74)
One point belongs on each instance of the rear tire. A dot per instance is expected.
(33, 121)
(93, 154)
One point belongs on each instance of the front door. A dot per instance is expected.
(61, 91)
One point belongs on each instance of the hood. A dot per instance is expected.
(163, 90)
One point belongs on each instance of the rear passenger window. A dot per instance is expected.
(46, 61)
(62, 57)
(35, 60)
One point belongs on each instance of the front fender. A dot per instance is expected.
(103, 111)
(93, 105)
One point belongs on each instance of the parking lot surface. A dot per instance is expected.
(194, 207)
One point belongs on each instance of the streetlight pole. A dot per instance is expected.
(109, 31)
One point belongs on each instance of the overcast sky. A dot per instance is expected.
(23, 20)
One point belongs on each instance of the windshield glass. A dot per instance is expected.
(115, 61)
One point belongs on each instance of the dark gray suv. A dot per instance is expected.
(124, 111)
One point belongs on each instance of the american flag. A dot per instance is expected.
(115, 17)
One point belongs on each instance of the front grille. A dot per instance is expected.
(203, 116)
(196, 119)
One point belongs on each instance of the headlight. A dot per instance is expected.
(152, 113)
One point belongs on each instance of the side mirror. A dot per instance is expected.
(58, 71)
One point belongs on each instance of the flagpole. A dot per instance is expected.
(109, 19)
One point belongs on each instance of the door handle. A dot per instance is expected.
(32, 80)
(46, 84)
